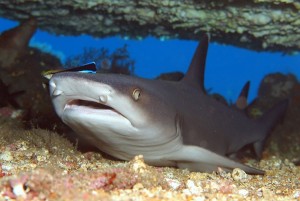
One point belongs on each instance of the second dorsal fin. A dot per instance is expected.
(242, 101)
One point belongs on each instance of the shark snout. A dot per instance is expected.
(68, 92)
(57, 97)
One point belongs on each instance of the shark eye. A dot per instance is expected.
(136, 94)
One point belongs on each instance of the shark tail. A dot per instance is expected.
(268, 121)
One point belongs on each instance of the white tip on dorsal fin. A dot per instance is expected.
(195, 73)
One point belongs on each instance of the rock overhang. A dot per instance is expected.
(262, 25)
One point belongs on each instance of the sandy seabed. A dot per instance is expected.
(37, 164)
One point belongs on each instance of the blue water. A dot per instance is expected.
(227, 69)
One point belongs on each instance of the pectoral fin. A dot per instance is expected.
(199, 159)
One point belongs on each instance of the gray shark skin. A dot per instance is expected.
(169, 123)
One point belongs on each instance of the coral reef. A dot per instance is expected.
(20, 84)
(8, 98)
(14, 42)
(284, 140)
(255, 24)
(118, 61)
(25, 76)
(277, 86)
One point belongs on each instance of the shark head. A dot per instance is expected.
(116, 110)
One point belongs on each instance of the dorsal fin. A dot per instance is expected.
(242, 101)
(195, 73)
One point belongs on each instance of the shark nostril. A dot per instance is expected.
(103, 98)
(57, 92)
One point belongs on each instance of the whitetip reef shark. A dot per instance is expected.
(169, 123)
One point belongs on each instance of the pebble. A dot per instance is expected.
(193, 189)
(173, 183)
(19, 190)
(239, 175)
(7, 167)
(6, 156)
(296, 194)
(138, 165)
(243, 192)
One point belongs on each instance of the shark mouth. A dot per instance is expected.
(89, 104)
(91, 107)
